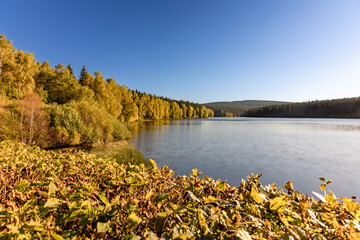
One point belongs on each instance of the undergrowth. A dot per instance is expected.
(77, 196)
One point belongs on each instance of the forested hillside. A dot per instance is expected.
(336, 108)
(50, 106)
(237, 108)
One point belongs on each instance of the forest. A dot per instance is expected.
(335, 108)
(51, 107)
(238, 108)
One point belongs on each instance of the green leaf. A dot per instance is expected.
(159, 221)
(161, 197)
(132, 221)
(32, 202)
(57, 236)
(52, 203)
(104, 199)
(222, 186)
(23, 185)
(103, 227)
(132, 237)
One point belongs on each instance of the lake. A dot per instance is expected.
(282, 149)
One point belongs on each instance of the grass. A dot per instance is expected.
(121, 151)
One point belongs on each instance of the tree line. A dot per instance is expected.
(50, 106)
(335, 108)
(226, 111)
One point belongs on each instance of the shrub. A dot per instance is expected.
(77, 196)
(84, 122)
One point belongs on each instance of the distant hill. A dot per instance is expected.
(334, 108)
(237, 108)
(247, 103)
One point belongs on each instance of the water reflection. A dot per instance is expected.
(300, 150)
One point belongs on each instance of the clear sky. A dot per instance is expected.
(200, 51)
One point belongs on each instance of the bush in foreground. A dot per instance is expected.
(77, 196)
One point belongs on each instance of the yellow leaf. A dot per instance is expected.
(181, 236)
(103, 227)
(259, 198)
(278, 204)
(289, 186)
(51, 203)
(210, 199)
(349, 205)
(57, 237)
(149, 194)
(153, 163)
(52, 188)
(202, 222)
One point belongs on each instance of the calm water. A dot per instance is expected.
(300, 150)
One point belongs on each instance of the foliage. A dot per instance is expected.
(85, 110)
(155, 108)
(77, 196)
(82, 122)
(9, 127)
(25, 120)
(68, 124)
(17, 70)
(336, 108)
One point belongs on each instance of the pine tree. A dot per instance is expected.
(70, 69)
(82, 75)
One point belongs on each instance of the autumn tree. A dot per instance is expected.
(9, 119)
(26, 69)
(130, 110)
(44, 75)
(33, 121)
(7, 65)
(113, 98)
(62, 87)
(17, 70)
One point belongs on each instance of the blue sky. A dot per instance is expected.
(200, 51)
